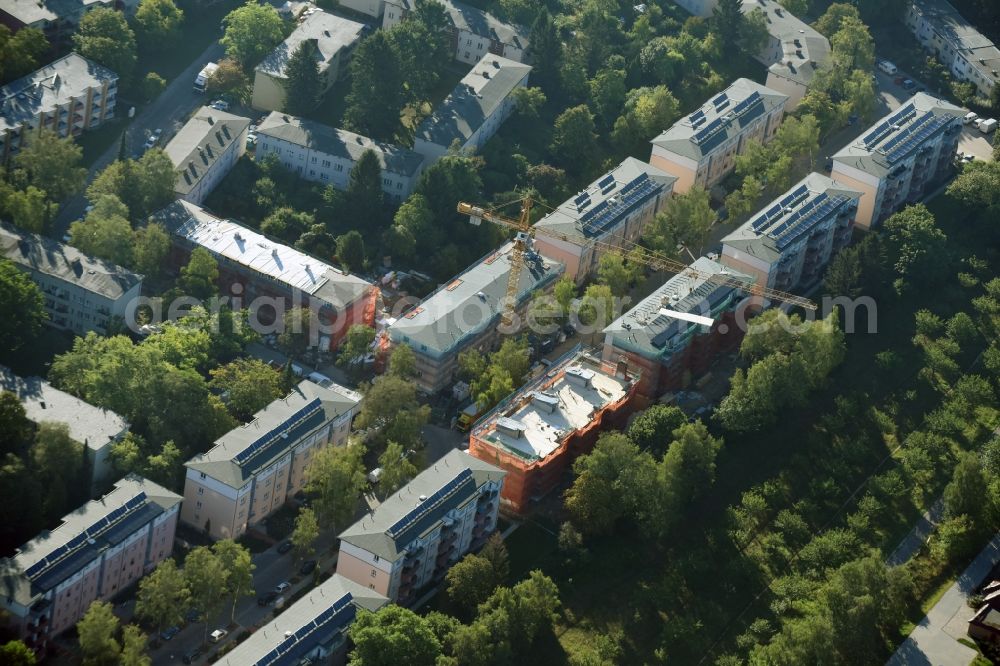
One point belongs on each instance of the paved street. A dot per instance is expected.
(917, 537)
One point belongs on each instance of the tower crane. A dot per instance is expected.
(525, 237)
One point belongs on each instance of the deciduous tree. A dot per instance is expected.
(252, 31)
(377, 94)
(397, 469)
(98, 629)
(104, 36)
(574, 141)
(305, 533)
(337, 476)
(16, 653)
(393, 635)
(207, 580)
(163, 596)
(21, 309)
(158, 23)
(52, 164)
(200, 275)
(134, 647)
(351, 251)
(105, 232)
(251, 385)
(686, 221)
(238, 567)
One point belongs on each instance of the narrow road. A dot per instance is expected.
(917, 537)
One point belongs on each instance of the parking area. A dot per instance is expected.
(975, 143)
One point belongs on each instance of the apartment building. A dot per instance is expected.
(412, 538)
(67, 96)
(326, 155)
(271, 276)
(967, 53)
(794, 52)
(673, 335)
(81, 293)
(474, 32)
(464, 313)
(788, 244)
(57, 19)
(205, 150)
(97, 552)
(700, 149)
(613, 210)
(94, 427)
(901, 157)
(313, 630)
(536, 433)
(250, 472)
(475, 109)
(373, 8)
(333, 40)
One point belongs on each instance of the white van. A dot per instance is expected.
(970, 117)
(321, 379)
(887, 67)
(988, 126)
(218, 635)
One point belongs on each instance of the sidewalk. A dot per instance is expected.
(917, 537)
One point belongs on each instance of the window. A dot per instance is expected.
(386, 181)
(312, 172)
(326, 163)
(203, 475)
(376, 558)
(201, 491)
(324, 176)
(468, 42)
(399, 186)
(374, 573)
(199, 504)
(340, 167)
(314, 160)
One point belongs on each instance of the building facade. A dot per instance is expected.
(474, 33)
(97, 552)
(464, 313)
(80, 293)
(333, 40)
(536, 433)
(967, 53)
(313, 630)
(701, 148)
(788, 244)
(67, 96)
(901, 157)
(253, 470)
(205, 150)
(373, 8)
(326, 155)
(412, 538)
(614, 210)
(794, 52)
(673, 335)
(474, 111)
(269, 277)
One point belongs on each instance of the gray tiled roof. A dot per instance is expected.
(478, 22)
(42, 402)
(473, 100)
(31, 11)
(202, 141)
(337, 142)
(370, 533)
(220, 462)
(51, 86)
(52, 258)
(331, 34)
(805, 51)
(569, 220)
(953, 27)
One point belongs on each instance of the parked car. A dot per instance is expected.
(191, 655)
(375, 475)
(251, 140)
(307, 567)
(192, 616)
(267, 599)
(218, 635)
(282, 587)
(284, 547)
(909, 84)
(220, 105)
(170, 632)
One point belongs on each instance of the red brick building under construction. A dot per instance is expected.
(538, 431)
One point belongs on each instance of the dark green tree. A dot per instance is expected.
(351, 251)
(21, 309)
(303, 85)
(391, 636)
(364, 200)
(377, 93)
(546, 52)
(104, 36)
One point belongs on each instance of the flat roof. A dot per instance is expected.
(93, 426)
(53, 85)
(245, 450)
(722, 117)
(478, 22)
(64, 262)
(597, 210)
(539, 416)
(651, 330)
(270, 258)
(330, 33)
(474, 99)
(447, 484)
(201, 142)
(317, 619)
(53, 556)
(338, 142)
(791, 216)
(804, 50)
(899, 134)
(470, 302)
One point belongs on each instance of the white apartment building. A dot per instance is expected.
(334, 39)
(967, 53)
(97, 552)
(81, 293)
(67, 96)
(414, 536)
(613, 210)
(474, 111)
(205, 150)
(794, 52)
(900, 158)
(251, 471)
(57, 19)
(700, 149)
(789, 243)
(326, 155)
(474, 32)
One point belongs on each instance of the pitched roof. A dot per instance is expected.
(49, 257)
(474, 99)
(469, 302)
(604, 203)
(201, 142)
(478, 22)
(245, 450)
(719, 119)
(338, 142)
(804, 51)
(42, 402)
(330, 34)
(447, 484)
(980, 51)
(246, 247)
(48, 87)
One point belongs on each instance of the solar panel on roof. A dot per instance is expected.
(720, 99)
(580, 198)
(607, 180)
(806, 220)
(605, 216)
(902, 115)
(915, 135)
(312, 407)
(876, 134)
(404, 522)
(708, 131)
(35, 569)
